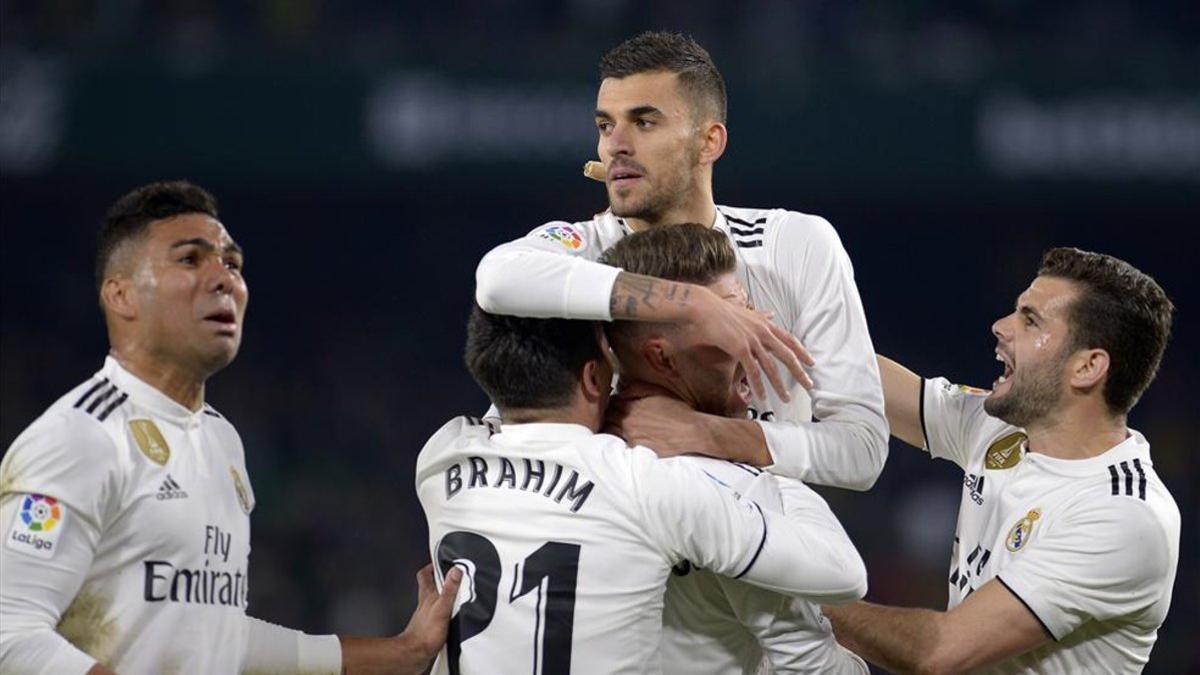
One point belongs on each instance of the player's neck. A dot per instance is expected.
(1080, 432)
(568, 415)
(699, 209)
(177, 383)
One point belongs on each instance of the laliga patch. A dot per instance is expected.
(150, 441)
(1005, 452)
(37, 526)
(567, 236)
(243, 494)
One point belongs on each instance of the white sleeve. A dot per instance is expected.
(538, 276)
(953, 420)
(62, 471)
(1104, 559)
(694, 518)
(848, 446)
(275, 649)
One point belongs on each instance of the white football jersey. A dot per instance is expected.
(714, 624)
(567, 539)
(1090, 546)
(127, 535)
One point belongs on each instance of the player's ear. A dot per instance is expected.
(714, 137)
(660, 357)
(1089, 368)
(117, 297)
(596, 380)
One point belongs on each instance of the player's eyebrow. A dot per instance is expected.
(1030, 311)
(643, 110)
(231, 247)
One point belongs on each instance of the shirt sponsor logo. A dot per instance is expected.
(37, 526)
(566, 235)
(150, 441)
(1019, 535)
(1005, 452)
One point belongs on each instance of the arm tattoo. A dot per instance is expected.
(635, 296)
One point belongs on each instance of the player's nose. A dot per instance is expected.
(618, 142)
(1000, 328)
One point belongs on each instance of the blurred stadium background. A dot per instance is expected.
(366, 154)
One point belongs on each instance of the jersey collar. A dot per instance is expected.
(542, 431)
(1134, 446)
(146, 395)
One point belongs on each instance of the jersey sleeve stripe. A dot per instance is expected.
(1116, 482)
(1137, 464)
(87, 394)
(745, 232)
(762, 542)
(921, 416)
(757, 221)
(113, 406)
(101, 399)
(1035, 614)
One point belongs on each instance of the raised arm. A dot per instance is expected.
(537, 277)
(902, 401)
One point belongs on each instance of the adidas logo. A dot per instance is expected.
(170, 490)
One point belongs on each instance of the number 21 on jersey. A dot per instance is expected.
(546, 578)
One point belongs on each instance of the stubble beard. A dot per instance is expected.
(658, 202)
(1031, 398)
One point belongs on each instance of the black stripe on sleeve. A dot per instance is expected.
(1128, 478)
(745, 232)
(1137, 464)
(921, 414)
(757, 221)
(1035, 614)
(1116, 481)
(761, 543)
(753, 471)
(101, 399)
(87, 394)
(748, 244)
(113, 406)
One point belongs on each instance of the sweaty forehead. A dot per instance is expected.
(659, 89)
(1050, 296)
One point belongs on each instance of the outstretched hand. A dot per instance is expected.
(753, 339)
(430, 622)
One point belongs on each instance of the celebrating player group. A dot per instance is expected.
(666, 378)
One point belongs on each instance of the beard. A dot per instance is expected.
(660, 199)
(1032, 396)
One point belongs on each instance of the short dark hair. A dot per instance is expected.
(528, 363)
(1120, 310)
(675, 53)
(129, 217)
(686, 252)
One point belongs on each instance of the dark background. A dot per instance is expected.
(366, 154)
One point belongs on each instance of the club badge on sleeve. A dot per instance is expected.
(37, 526)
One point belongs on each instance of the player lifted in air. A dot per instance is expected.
(1067, 541)
(568, 536)
(711, 623)
(660, 118)
(126, 506)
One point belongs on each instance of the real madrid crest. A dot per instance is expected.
(243, 494)
(1018, 536)
(1005, 452)
(150, 441)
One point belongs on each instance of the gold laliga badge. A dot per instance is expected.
(243, 494)
(1018, 536)
(150, 441)
(1005, 452)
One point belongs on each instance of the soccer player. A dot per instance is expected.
(126, 505)
(1067, 541)
(568, 536)
(711, 623)
(660, 116)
